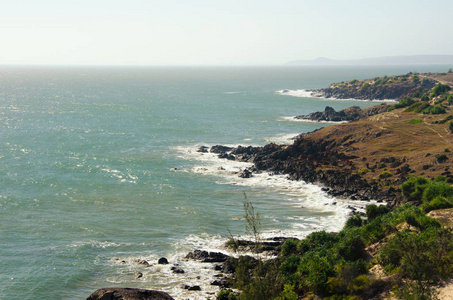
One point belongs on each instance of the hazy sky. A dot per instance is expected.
(210, 32)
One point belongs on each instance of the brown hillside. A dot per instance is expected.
(389, 141)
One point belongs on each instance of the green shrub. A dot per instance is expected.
(359, 284)
(450, 99)
(417, 107)
(288, 293)
(450, 126)
(319, 240)
(365, 85)
(351, 248)
(437, 203)
(289, 247)
(415, 121)
(289, 267)
(440, 89)
(413, 188)
(226, 295)
(423, 257)
(373, 211)
(434, 110)
(440, 178)
(415, 78)
(316, 270)
(353, 221)
(441, 157)
(364, 171)
(425, 81)
(424, 98)
(444, 120)
(385, 174)
(436, 189)
(353, 81)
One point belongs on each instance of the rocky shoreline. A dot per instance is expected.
(379, 88)
(301, 161)
(350, 114)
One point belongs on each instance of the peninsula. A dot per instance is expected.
(400, 154)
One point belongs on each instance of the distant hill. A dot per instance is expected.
(385, 60)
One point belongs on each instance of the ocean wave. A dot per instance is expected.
(286, 139)
(293, 119)
(310, 94)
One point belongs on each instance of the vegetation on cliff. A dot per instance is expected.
(379, 88)
(404, 155)
(401, 251)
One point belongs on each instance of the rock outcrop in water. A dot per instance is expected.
(128, 294)
(352, 113)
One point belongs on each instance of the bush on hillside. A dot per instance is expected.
(434, 110)
(440, 89)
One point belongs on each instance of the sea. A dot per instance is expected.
(100, 171)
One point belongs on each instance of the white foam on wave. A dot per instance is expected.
(286, 139)
(331, 213)
(293, 119)
(323, 213)
(311, 94)
(296, 93)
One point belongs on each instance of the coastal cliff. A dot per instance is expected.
(379, 88)
(372, 156)
(401, 155)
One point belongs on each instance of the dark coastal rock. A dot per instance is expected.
(177, 270)
(246, 174)
(192, 288)
(220, 149)
(162, 261)
(301, 161)
(128, 294)
(208, 257)
(203, 149)
(142, 262)
(350, 114)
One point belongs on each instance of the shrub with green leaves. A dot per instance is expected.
(423, 259)
(417, 107)
(434, 110)
(353, 221)
(385, 174)
(437, 203)
(440, 89)
(441, 157)
(413, 188)
(450, 99)
(364, 171)
(373, 211)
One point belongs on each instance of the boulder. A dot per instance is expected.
(220, 149)
(209, 257)
(162, 261)
(128, 294)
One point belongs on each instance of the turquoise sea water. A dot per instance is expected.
(99, 168)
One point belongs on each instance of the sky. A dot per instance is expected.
(211, 32)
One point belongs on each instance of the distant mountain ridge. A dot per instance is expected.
(385, 60)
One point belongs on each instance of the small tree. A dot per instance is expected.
(253, 226)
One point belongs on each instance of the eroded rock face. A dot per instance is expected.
(128, 294)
